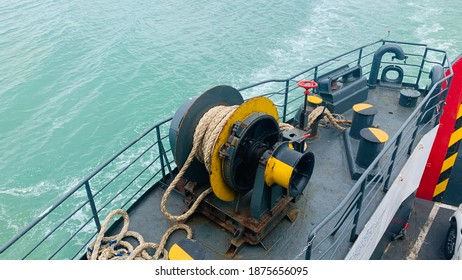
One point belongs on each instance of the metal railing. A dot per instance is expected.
(339, 229)
(148, 161)
(328, 238)
(117, 183)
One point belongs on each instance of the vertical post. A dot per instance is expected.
(167, 163)
(440, 109)
(353, 235)
(161, 152)
(92, 205)
(414, 134)
(392, 163)
(286, 97)
(315, 72)
(442, 95)
(360, 56)
(309, 247)
(421, 67)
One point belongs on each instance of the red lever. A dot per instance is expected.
(307, 85)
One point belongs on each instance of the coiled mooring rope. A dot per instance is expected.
(204, 141)
(115, 248)
(205, 137)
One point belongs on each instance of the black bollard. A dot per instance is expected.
(363, 116)
(370, 145)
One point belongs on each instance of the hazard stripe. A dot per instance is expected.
(441, 187)
(450, 159)
(455, 137)
(452, 150)
(445, 175)
(458, 122)
(449, 162)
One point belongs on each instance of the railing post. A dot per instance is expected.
(309, 247)
(392, 163)
(286, 97)
(414, 134)
(443, 94)
(353, 235)
(161, 152)
(92, 205)
(360, 56)
(421, 68)
(315, 72)
(440, 111)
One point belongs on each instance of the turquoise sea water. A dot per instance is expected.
(80, 79)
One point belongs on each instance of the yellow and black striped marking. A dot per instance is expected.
(375, 135)
(186, 249)
(450, 159)
(365, 109)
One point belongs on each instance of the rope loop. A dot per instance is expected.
(205, 137)
(119, 249)
(328, 117)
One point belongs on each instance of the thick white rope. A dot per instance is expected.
(115, 248)
(205, 138)
(318, 111)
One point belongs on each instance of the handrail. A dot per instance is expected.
(78, 186)
(362, 55)
(364, 177)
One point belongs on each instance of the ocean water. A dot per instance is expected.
(80, 79)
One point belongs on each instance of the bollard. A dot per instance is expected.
(370, 145)
(363, 116)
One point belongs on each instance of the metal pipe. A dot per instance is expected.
(286, 96)
(393, 48)
(393, 158)
(92, 205)
(353, 234)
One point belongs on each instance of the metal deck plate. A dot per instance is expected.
(329, 184)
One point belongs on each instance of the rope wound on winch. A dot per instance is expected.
(250, 130)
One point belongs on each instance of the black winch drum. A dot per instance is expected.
(184, 123)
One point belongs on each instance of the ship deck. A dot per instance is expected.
(329, 184)
(323, 223)
(425, 236)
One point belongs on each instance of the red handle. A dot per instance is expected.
(307, 85)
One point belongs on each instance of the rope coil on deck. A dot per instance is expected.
(204, 140)
(115, 248)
